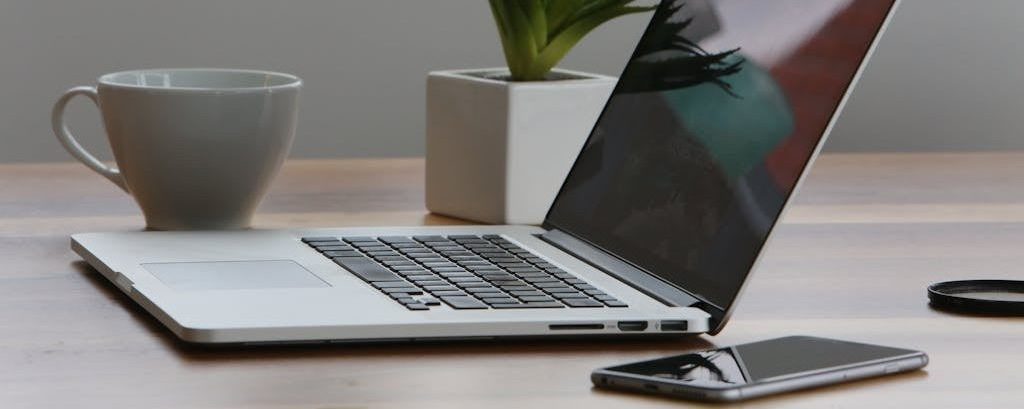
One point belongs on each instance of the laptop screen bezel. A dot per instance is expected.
(719, 314)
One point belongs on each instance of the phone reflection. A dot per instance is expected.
(717, 366)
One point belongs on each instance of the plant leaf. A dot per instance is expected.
(501, 21)
(534, 10)
(561, 44)
(559, 11)
(522, 40)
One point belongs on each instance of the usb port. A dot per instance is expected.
(673, 326)
(632, 325)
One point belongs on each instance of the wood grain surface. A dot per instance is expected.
(868, 233)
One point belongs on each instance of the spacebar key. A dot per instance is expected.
(367, 269)
(463, 302)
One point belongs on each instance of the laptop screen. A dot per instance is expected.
(712, 123)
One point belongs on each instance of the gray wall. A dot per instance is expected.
(944, 78)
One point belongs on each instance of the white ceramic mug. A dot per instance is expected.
(196, 148)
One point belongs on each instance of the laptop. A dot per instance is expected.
(664, 214)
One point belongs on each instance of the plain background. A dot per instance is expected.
(945, 77)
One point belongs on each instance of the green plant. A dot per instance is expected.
(537, 34)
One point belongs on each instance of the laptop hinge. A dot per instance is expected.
(616, 267)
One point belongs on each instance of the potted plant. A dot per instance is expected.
(500, 141)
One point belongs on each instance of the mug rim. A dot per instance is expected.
(291, 81)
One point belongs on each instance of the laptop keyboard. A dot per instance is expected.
(463, 271)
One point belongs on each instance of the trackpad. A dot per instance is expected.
(234, 275)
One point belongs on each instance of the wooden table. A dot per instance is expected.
(852, 261)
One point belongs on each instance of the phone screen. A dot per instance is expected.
(760, 361)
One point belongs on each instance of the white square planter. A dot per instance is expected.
(498, 151)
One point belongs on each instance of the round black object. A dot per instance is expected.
(990, 297)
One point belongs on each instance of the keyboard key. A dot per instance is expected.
(431, 282)
(463, 302)
(332, 246)
(515, 287)
(525, 270)
(507, 282)
(366, 269)
(358, 238)
(461, 252)
(536, 298)
(364, 243)
(391, 284)
(430, 301)
(319, 239)
(428, 238)
(439, 288)
(499, 300)
(535, 280)
(409, 245)
(582, 303)
(447, 293)
(402, 290)
(470, 279)
(497, 276)
(417, 306)
(466, 258)
(453, 274)
(425, 280)
(403, 298)
(464, 236)
(372, 249)
(349, 253)
(449, 270)
(473, 284)
(433, 258)
(479, 291)
(562, 296)
(396, 239)
(408, 273)
(614, 303)
(529, 305)
(528, 293)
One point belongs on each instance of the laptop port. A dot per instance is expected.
(632, 325)
(557, 327)
(673, 326)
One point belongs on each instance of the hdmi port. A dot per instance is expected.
(632, 325)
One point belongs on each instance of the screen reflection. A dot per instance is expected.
(711, 125)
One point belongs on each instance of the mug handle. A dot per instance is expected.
(60, 129)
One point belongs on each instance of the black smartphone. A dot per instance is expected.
(761, 368)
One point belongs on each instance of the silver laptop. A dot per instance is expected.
(655, 231)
